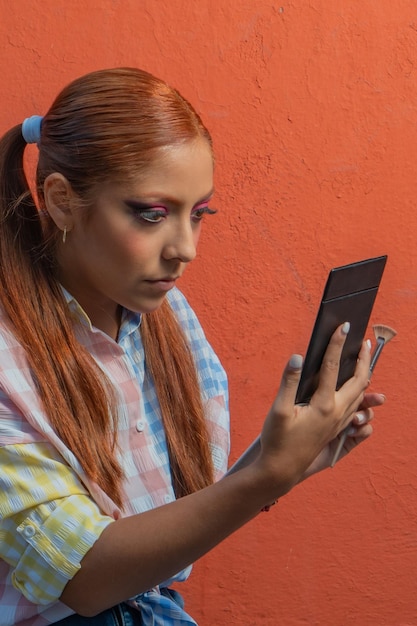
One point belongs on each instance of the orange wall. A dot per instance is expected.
(313, 109)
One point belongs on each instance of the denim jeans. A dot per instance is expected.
(120, 615)
(156, 607)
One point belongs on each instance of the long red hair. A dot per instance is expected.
(105, 126)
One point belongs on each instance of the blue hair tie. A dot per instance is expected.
(31, 129)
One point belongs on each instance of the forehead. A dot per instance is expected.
(180, 170)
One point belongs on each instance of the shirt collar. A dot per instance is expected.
(130, 320)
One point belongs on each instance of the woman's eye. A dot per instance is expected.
(198, 213)
(146, 213)
(151, 216)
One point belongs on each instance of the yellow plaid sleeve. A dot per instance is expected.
(48, 521)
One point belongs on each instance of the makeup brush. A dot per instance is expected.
(383, 335)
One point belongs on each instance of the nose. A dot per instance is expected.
(182, 242)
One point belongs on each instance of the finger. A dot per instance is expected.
(372, 399)
(356, 436)
(289, 384)
(364, 361)
(359, 432)
(329, 370)
(362, 417)
(355, 387)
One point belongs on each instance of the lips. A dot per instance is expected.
(162, 284)
(165, 279)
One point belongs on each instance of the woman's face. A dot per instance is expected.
(138, 239)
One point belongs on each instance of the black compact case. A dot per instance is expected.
(348, 296)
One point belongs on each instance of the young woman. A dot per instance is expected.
(113, 407)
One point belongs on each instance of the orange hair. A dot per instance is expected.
(105, 126)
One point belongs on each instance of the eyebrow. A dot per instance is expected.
(155, 197)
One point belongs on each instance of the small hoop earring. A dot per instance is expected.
(64, 235)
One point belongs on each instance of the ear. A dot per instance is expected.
(58, 195)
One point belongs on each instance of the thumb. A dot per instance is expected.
(289, 384)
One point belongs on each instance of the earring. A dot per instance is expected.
(64, 235)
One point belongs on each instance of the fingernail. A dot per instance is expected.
(383, 397)
(296, 362)
(368, 343)
(351, 430)
(360, 418)
(346, 328)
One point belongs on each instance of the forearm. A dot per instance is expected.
(136, 553)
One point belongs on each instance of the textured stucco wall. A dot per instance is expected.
(312, 106)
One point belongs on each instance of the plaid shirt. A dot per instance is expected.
(50, 512)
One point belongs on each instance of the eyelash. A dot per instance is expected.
(198, 214)
(151, 215)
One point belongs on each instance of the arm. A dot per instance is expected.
(48, 521)
(136, 553)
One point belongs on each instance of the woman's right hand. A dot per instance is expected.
(294, 435)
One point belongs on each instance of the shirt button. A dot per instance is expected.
(140, 426)
(167, 499)
(29, 531)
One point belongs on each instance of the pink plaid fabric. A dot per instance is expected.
(142, 454)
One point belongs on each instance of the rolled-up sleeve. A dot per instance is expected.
(48, 521)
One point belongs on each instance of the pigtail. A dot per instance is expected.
(71, 386)
(170, 363)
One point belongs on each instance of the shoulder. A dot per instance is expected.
(212, 375)
(179, 302)
(184, 313)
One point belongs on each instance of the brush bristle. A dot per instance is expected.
(384, 332)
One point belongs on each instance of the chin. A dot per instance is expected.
(147, 307)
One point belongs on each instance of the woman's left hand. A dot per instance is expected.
(360, 430)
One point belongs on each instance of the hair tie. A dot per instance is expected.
(31, 129)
